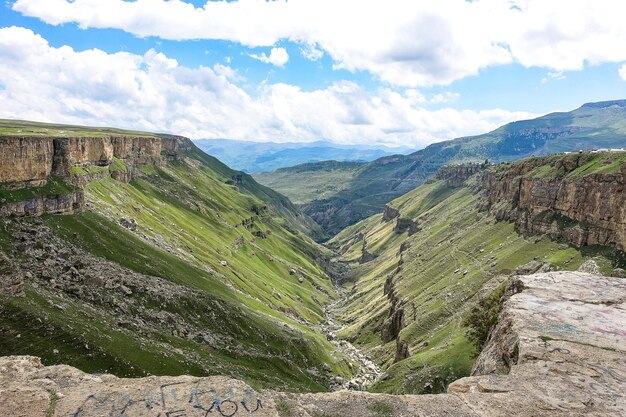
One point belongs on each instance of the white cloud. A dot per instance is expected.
(153, 92)
(278, 57)
(311, 52)
(227, 72)
(445, 97)
(404, 42)
(622, 72)
(554, 75)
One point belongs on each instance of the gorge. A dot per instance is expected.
(138, 255)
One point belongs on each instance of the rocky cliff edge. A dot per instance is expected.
(31, 166)
(566, 197)
(559, 349)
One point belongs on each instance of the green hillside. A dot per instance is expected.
(321, 179)
(365, 189)
(181, 271)
(10, 127)
(435, 277)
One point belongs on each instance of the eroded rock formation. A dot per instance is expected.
(30, 162)
(585, 210)
(559, 349)
(404, 224)
(456, 175)
(390, 213)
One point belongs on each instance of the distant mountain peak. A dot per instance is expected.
(605, 104)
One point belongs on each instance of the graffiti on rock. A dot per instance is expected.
(179, 399)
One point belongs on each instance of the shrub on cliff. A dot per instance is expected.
(483, 317)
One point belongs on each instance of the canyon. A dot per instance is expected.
(418, 271)
(121, 243)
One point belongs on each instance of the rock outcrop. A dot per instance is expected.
(559, 349)
(580, 210)
(366, 256)
(390, 213)
(45, 204)
(456, 175)
(559, 340)
(30, 162)
(404, 224)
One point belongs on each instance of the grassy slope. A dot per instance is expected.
(29, 128)
(371, 185)
(321, 179)
(191, 213)
(455, 236)
(172, 204)
(296, 221)
(586, 163)
(281, 205)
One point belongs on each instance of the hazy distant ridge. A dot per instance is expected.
(254, 157)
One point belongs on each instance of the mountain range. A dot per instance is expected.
(254, 157)
(344, 193)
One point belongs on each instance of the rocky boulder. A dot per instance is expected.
(11, 277)
(456, 175)
(390, 213)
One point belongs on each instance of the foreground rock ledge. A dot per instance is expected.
(560, 341)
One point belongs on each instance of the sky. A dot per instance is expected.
(392, 72)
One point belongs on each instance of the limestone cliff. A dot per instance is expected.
(557, 197)
(44, 204)
(30, 162)
(456, 175)
(560, 335)
(25, 161)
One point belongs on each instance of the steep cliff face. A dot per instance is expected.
(25, 161)
(77, 151)
(579, 199)
(28, 161)
(44, 204)
(456, 175)
(31, 162)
